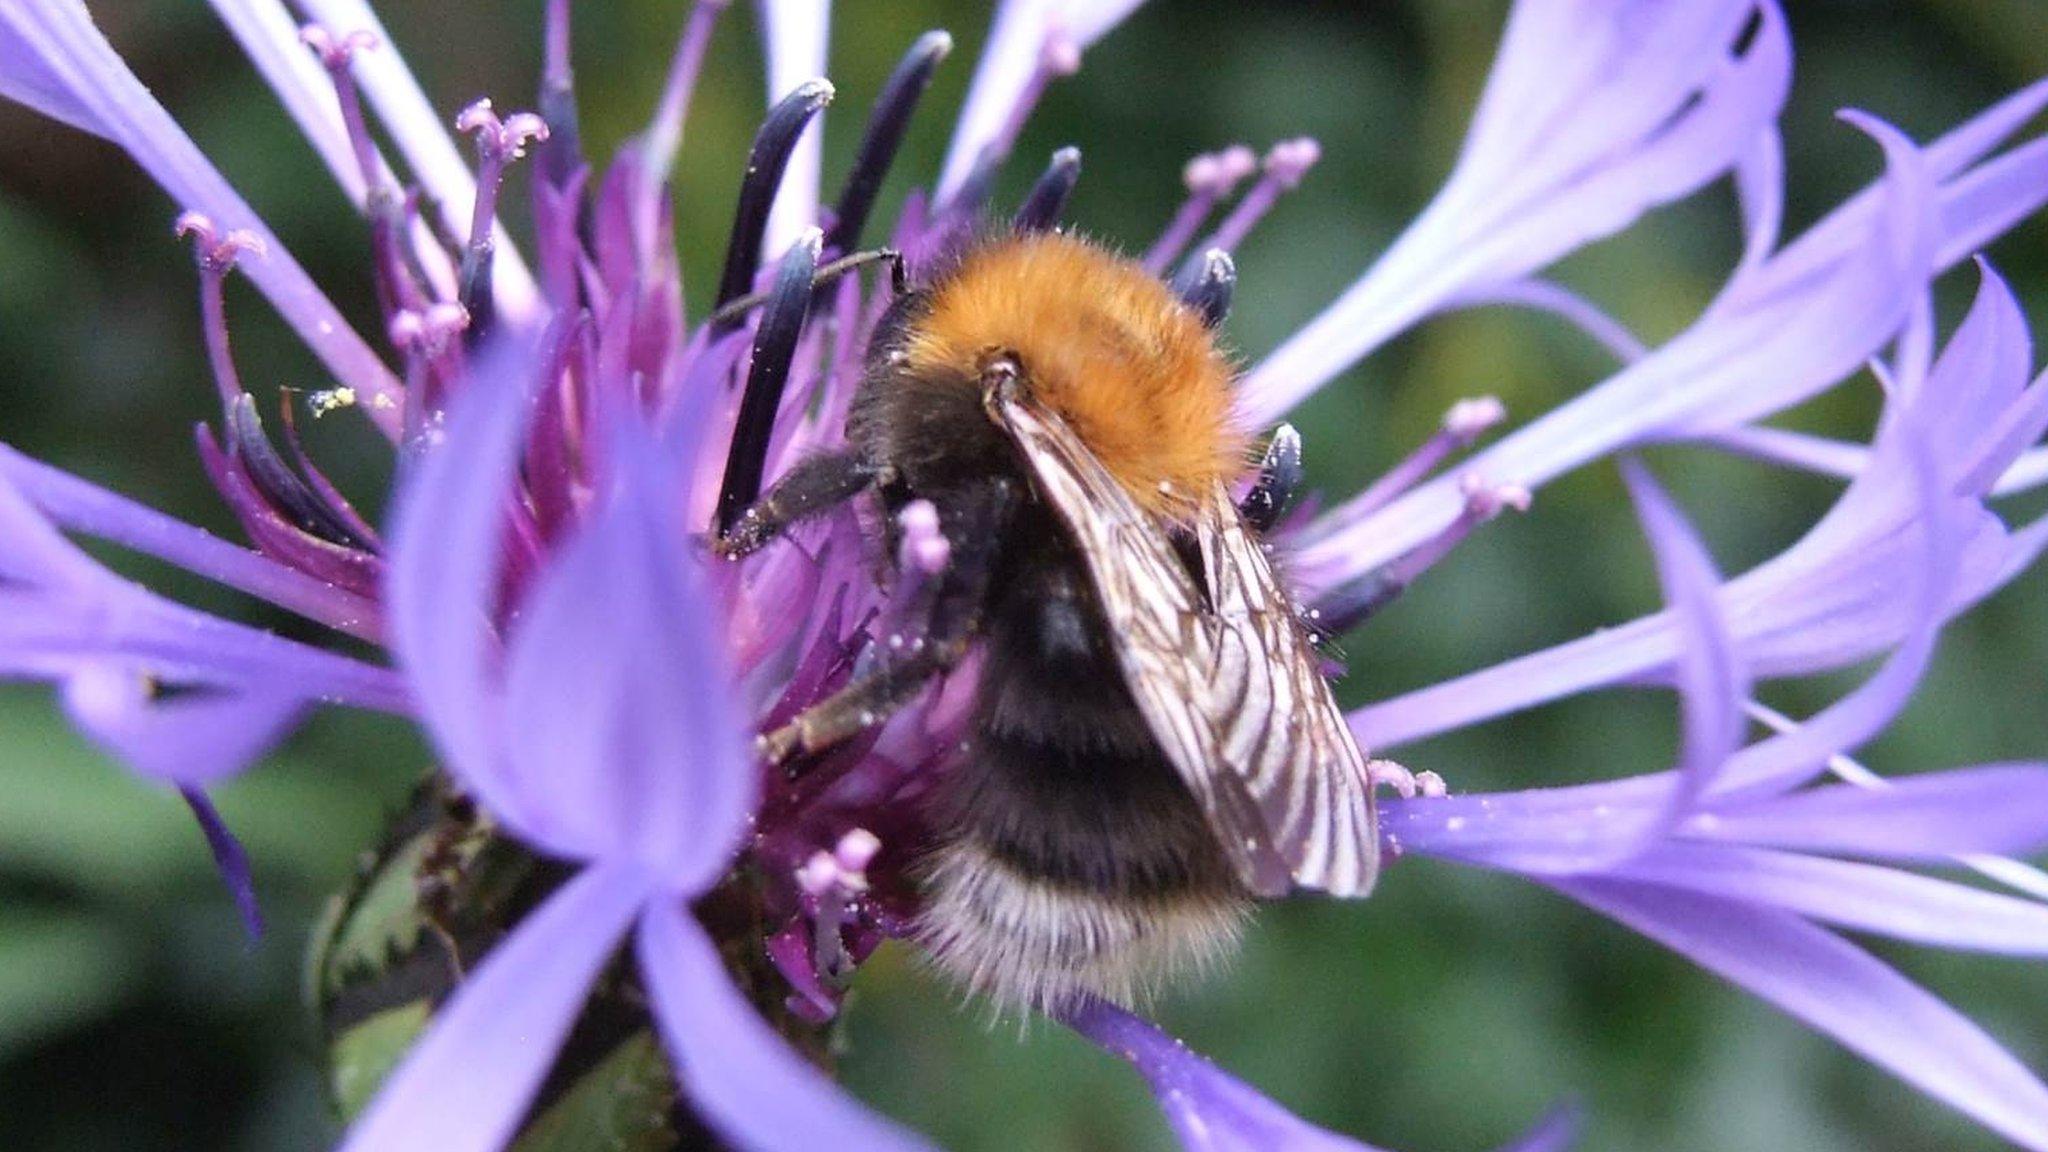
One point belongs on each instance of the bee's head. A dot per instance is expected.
(1094, 338)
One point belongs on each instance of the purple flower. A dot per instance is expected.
(564, 433)
(605, 732)
(1212, 1111)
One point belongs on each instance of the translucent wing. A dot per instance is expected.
(1225, 678)
(1278, 726)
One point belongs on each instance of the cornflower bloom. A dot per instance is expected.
(591, 682)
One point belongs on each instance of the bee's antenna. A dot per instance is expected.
(1206, 283)
(765, 164)
(1040, 211)
(774, 347)
(886, 125)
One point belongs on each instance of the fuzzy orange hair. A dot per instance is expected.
(1105, 344)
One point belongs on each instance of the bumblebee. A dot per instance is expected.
(1153, 745)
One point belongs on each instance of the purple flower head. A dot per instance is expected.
(567, 437)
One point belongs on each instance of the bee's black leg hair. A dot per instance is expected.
(1040, 211)
(974, 527)
(1279, 481)
(814, 485)
(886, 125)
(826, 274)
(1206, 283)
(774, 347)
(773, 144)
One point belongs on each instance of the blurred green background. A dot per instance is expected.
(1440, 1017)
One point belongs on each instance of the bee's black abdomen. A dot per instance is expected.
(1072, 858)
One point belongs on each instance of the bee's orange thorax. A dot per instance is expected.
(1105, 344)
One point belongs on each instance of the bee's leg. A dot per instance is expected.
(899, 281)
(862, 704)
(814, 485)
(1279, 482)
(974, 526)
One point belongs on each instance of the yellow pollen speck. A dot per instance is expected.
(331, 399)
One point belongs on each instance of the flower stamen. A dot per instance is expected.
(1041, 209)
(389, 210)
(216, 256)
(1059, 54)
(498, 143)
(1285, 166)
(1210, 179)
(887, 122)
(1463, 424)
(766, 162)
(1351, 603)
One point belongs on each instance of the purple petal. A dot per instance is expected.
(446, 560)
(191, 738)
(795, 33)
(28, 76)
(1977, 377)
(270, 36)
(1756, 354)
(1001, 81)
(421, 136)
(1556, 1132)
(1972, 140)
(54, 635)
(1829, 601)
(357, 571)
(1210, 1110)
(56, 39)
(1788, 759)
(1838, 989)
(742, 1077)
(1817, 454)
(228, 858)
(1913, 353)
(33, 552)
(1712, 683)
(1559, 301)
(663, 136)
(624, 735)
(1984, 204)
(1569, 830)
(1998, 809)
(84, 507)
(1978, 200)
(1594, 114)
(466, 1084)
(1760, 185)
(2030, 471)
(2003, 445)
(1860, 897)
(1542, 831)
